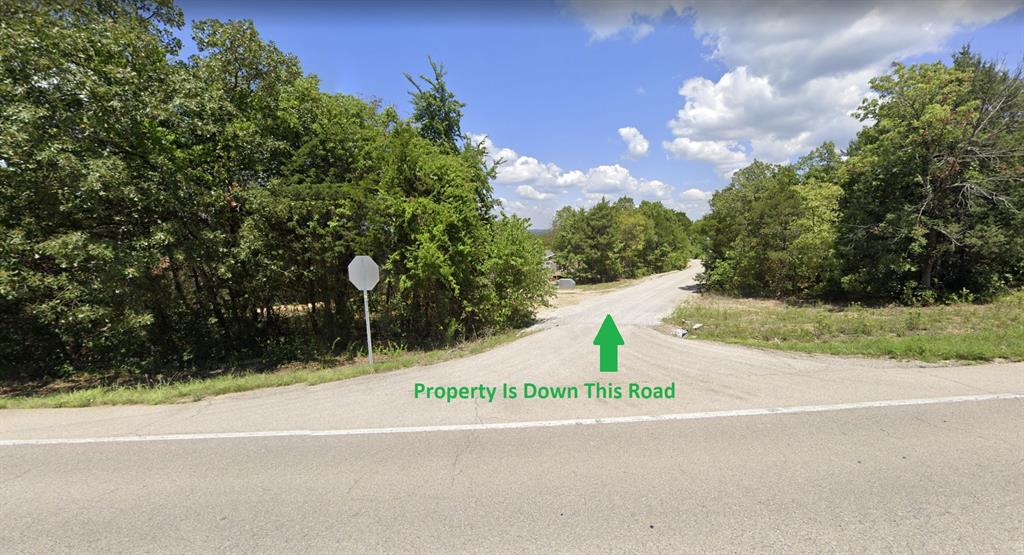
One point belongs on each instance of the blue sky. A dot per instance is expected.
(697, 88)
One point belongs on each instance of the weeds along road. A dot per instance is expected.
(761, 451)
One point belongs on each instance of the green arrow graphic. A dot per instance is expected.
(609, 339)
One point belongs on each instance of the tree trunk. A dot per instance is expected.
(929, 263)
(926, 273)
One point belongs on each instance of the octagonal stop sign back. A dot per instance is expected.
(363, 273)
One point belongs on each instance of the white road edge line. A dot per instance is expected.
(516, 425)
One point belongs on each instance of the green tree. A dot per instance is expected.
(171, 214)
(927, 205)
(750, 228)
(436, 111)
(569, 239)
(772, 231)
(603, 250)
(515, 268)
(84, 140)
(934, 183)
(672, 245)
(614, 240)
(635, 233)
(812, 253)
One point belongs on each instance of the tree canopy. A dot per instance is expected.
(436, 111)
(927, 203)
(617, 240)
(165, 213)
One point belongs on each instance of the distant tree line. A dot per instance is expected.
(926, 205)
(618, 240)
(160, 212)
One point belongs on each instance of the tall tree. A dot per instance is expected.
(435, 109)
(84, 94)
(935, 180)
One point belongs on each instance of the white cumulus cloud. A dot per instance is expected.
(605, 20)
(635, 141)
(543, 187)
(532, 177)
(530, 192)
(696, 194)
(795, 71)
(727, 156)
(797, 42)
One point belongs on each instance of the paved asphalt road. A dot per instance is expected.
(762, 452)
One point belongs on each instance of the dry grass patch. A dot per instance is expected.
(955, 332)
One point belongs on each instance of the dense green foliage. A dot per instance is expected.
(165, 212)
(620, 240)
(928, 205)
(772, 230)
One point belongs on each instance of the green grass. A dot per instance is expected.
(194, 390)
(956, 332)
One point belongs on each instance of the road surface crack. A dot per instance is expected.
(456, 467)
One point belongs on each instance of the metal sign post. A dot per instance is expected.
(366, 316)
(364, 274)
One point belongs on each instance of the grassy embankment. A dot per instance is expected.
(956, 332)
(194, 390)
